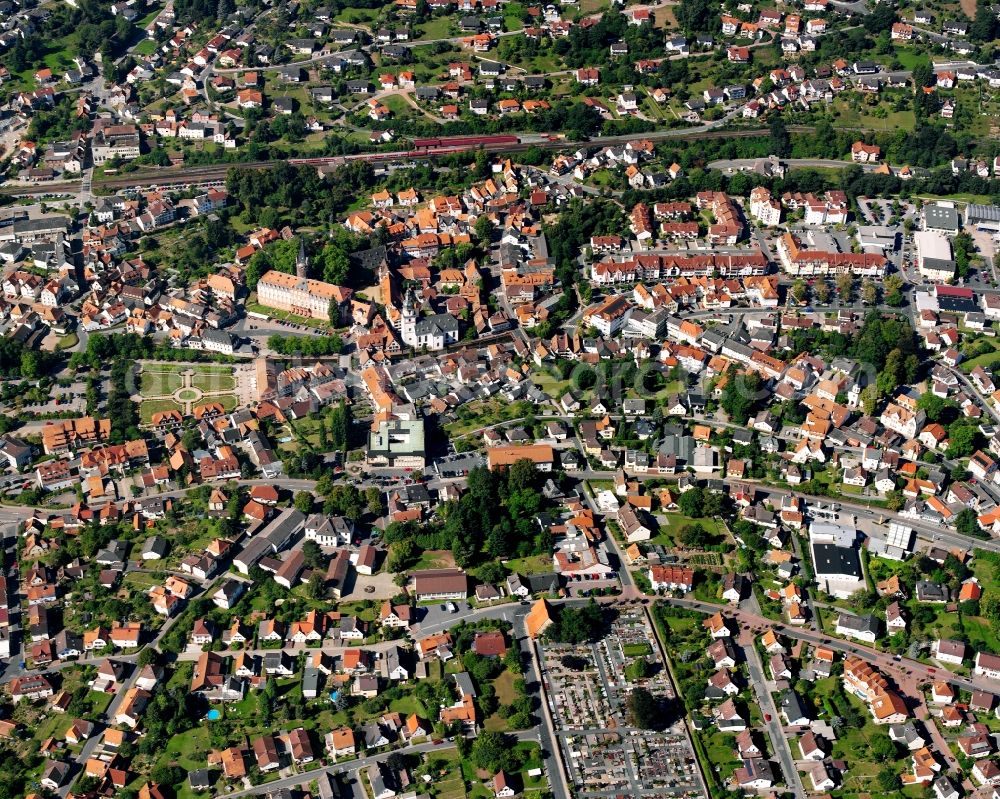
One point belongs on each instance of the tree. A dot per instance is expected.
(577, 625)
(962, 439)
(845, 286)
(881, 18)
(691, 502)
(637, 669)
(888, 779)
(781, 142)
(966, 522)
(984, 24)
(492, 572)
(893, 373)
(741, 394)
(402, 555)
(696, 16)
(869, 399)
(869, 292)
(821, 290)
(934, 406)
(303, 501)
(800, 290)
(483, 229)
(644, 709)
(882, 747)
(316, 587)
(335, 263)
(373, 500)
(694, 536)
(312, 554)
(148, 657)
(492, 752)
(340, 420)
(893, 285)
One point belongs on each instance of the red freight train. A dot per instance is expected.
(462, 141)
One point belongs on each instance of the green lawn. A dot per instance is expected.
(214, 382)
(408, 706)
(159, 384)
(144, 22)
(908, 58)
(536, 564)
(190, 749)
(145, 47)
(227, 401)
(398, 106)
(434, 28)
(719, 747)
(253, 305)
(980, 634)
(148, 407)
(435, 559)
(68, 341)
(504, 686)
(669, 531)
(986, 360)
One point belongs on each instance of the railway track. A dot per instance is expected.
(209, 174)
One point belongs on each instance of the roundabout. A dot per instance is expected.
(188, 395)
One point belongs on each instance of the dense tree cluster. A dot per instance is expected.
(16, 361)
(741, 395)
(314, 346)
(495, 518)
(698, 503)
(698, 16)
(577, 625)
(298, 194)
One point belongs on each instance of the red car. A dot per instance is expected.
(767, 717)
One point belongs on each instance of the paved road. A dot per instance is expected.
(970, 386)
(885, 661)
(779, 743)
(738, 164)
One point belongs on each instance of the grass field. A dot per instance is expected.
(214, 382)
(285, 316)
(675, 521)
(435, 559)
(536, 564)
(408, 706)
(227, 401)
(145, 47)
(435, 28)
(504, 685)
(446, 771)
(190, 749)
(986, 360)
(148, 407)
(159, 384)
(398, 106)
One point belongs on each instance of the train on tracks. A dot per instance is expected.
(215, 174)
(446, 142)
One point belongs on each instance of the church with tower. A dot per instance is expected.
(434, 332)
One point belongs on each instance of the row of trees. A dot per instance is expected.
(313, 346)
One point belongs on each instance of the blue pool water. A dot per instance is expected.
(213, 715)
